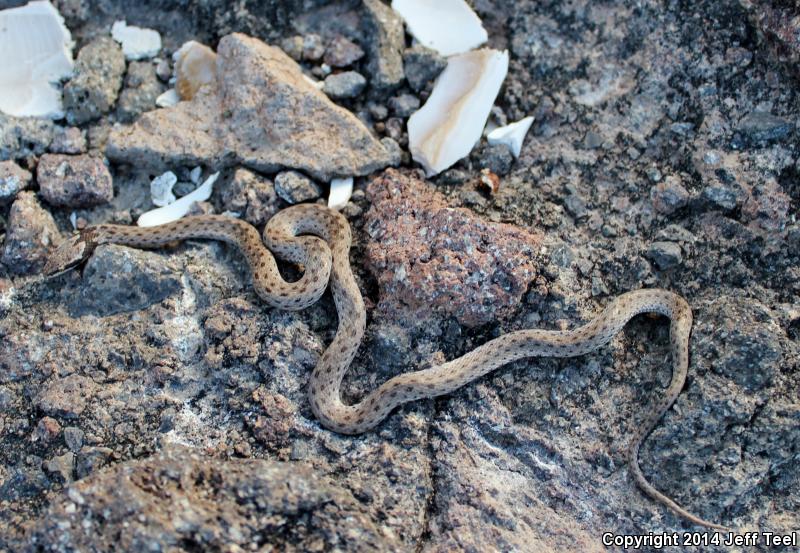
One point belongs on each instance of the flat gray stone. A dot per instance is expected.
(264, 115)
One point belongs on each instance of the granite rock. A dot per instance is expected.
(30, 235)
(74, 181)
(22, 137)
(219, 128)
(430, 257)
(93, 89)
(13, 178)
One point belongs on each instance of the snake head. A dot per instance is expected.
(69, 254)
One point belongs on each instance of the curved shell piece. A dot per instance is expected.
(35, 51)
(511, 135)
(451, 122)
(178, 208)
(195, 67)
(447, 26)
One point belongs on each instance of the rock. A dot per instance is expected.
(760, 128)
(666, 255)
(13, 178)
(669, 195)
(422, 65)
(394, 149)
(385, 41)
(74, 181)
(404, 105)
(251, 195)
(294, 187)
(181, 496)
(22, 137)
(73, 437)
(293, 46)
(313, 47)
(30, 235)
(252, 121)
(47, 430)
(378, 112)
(141, 90)
(65, 397)
(117, 279)
(68, 140)
(347, 84)
(722, 196)
(91, 459)
(342, 52)
(497, 158)
(98, 78)
(62, 467)
(430, 258)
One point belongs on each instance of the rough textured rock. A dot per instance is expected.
(98, 77)
(342, 52)
(142, 87)
(302, 130)
(422, 65)
(119, 279)
(65, 397)
(294, 187)
(180, 499)
(429, 257)
(21, 137)
(13, 178)
(669, 196)
(347, 84)
(251, 195)
(385, 37)
(74, 181)
(68, 140)
(30, 235)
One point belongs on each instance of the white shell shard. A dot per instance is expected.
(195, 67)
(161, 189)
(451, 122)
(180, 207)
(168, 99)
(341, 190)
(512, 135)
(137, 43)
(447, 26)
(35, 51)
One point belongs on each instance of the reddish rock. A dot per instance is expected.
(30, 235)
(74, 181)
(428, 256)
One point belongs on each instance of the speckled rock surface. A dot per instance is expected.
(30, 234)
(93, 89)
(74, 181)
(266, 127)
(383, 29)
(13, 178)
(665, 132)
(251, 195)
(430, 257)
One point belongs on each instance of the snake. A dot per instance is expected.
(318, 239)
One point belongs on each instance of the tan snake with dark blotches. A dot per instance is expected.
(319, 239)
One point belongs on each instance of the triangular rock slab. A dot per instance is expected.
(263, 114)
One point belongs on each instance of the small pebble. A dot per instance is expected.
(294, 187)
(73, 437)
(342, 52)
(348, 84)
(313, 47)
(669, 196)
(665, 254)
(293, 46)
(497, 158)
(404, 105)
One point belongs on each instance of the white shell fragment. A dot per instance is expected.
(180, 207)
(450, 123)
(447, 26)
(512, 135)
(161, 189)
(35, 51)
(341, 190)
(137, 43)
(168, 99)
(195, 67)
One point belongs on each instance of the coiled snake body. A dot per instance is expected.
(319, 239)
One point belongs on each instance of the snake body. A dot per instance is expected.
(319, 239)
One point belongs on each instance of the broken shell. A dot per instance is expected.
(161, 189)
(168, 99)
(36, 50)
(450, 123)
(195, 67)
(447, 26)
(341, 190)
(180, 207)
(137, 43)
(512, 135)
